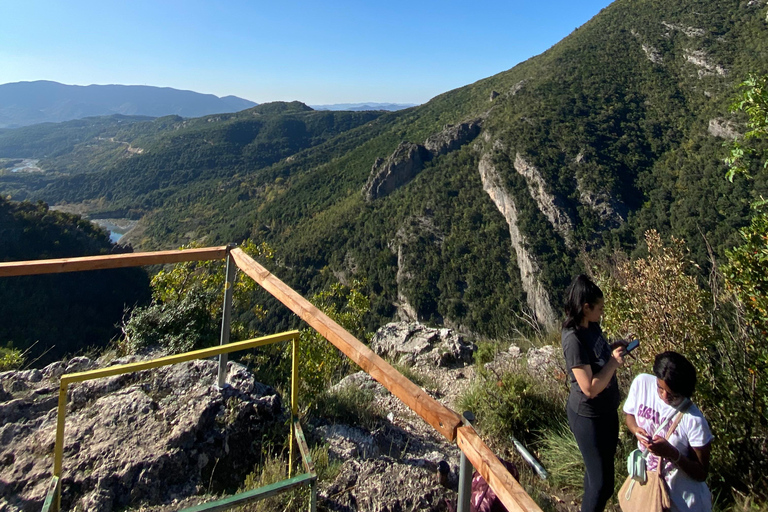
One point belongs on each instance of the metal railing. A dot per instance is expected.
(308, 478)
(475, 452)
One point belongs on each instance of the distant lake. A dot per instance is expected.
(116, 227)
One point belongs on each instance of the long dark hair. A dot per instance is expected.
(581, 291)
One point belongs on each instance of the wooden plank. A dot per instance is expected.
(433, 412)
(509, 491)
(202, 353)
(135, 259)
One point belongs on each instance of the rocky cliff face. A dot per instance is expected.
(408, 159)
(537, 296)
(140, 439)
(549, 204)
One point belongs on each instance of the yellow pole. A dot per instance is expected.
(58, 451)
(294, 398)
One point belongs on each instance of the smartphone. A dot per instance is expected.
(633, 345)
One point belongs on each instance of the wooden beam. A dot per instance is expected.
(135, 259)
(509, 490)
(436, 414)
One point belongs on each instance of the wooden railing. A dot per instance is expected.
(440, 417)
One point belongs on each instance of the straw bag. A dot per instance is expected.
(646, 491)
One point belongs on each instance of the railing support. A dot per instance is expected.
(465, 472)
(294, 399)
(226, 316)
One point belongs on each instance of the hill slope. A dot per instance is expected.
(26, 103)
(615, 130)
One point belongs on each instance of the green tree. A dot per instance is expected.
(753, 100)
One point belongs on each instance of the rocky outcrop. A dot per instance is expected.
(452, 138)
(700, 59)
(688, 31)
(412, 344)
(408, 159)
(723, 129)
(537, 297)
(416, 228)
(401, 167)
(139, 439)
(612, 213)
(551, 205)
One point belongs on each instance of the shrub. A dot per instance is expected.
(515, 403)
(10, 359)
(657, 300)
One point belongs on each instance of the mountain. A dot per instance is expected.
(483, 202)
(26, 103)
(364, 106)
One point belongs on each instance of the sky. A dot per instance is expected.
(318, 52)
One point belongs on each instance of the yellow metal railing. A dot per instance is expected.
(204, 353)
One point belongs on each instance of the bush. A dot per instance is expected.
(656, 299)
(515, 403)
(10, 359)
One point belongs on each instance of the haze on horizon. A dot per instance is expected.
(315, 52)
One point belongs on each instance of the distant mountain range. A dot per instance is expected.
(356, 107)
(27, 103)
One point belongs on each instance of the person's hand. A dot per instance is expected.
(643, 437)
(619, 343)
(619, 353)
(661, 447)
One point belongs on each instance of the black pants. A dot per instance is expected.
(597, 439)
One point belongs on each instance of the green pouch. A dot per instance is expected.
(636, 466)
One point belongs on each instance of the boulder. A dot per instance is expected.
(133, 440)
(413, 343)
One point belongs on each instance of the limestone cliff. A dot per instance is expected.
(549, 203)
(537, 296)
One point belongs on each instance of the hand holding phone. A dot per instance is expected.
(632, 345)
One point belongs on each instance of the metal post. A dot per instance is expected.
(58, 450)
(465, 472)
(294, 399)
(313, 496)
(229, 288)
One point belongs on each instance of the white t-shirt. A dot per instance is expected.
(650, 411)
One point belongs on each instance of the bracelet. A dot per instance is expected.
(679, 454)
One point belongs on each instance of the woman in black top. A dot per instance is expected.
(594, 396)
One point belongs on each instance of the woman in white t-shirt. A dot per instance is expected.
(652, 400)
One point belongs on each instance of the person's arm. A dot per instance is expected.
(592, 385)
(696, 465)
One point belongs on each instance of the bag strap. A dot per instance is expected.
(681, 412)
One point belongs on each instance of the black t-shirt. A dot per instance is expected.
(588, 347)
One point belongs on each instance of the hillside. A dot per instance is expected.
(616, 129)
(27, 103)
(60, 314)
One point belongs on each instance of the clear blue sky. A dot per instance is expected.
(322, 51)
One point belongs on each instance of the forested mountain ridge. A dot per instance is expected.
(42, 101)
(616, 129)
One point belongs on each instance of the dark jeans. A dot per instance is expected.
(597, 439)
